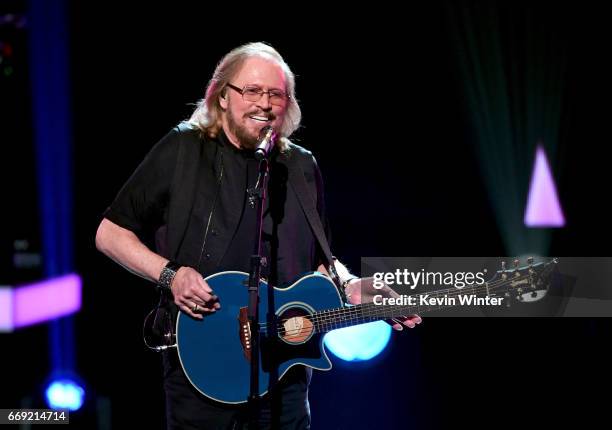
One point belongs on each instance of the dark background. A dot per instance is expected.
(385, 114)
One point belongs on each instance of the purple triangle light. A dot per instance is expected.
(543, 208)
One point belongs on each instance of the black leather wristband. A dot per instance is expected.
(346, 281)
(167, 275)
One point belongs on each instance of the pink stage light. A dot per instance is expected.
(543, 208)
(39, 302)
(6, 309)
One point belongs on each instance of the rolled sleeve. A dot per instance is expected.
(142, 202)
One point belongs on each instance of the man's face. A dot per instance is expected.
(243, 120)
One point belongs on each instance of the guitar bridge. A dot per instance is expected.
(244, 332)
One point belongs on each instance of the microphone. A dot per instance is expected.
(267, 138)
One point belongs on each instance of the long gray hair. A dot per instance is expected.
(207, 115)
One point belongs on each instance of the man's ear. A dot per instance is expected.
(223, 100)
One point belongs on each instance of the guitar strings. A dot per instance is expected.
(366, 311)
(326, 314)
(369, 310)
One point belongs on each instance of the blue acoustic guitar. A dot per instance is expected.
(215, 352)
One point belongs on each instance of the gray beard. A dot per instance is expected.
(245, 140)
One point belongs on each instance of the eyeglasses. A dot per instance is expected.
(253, 93)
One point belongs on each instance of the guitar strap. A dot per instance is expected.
(304, 196)
(300, 187)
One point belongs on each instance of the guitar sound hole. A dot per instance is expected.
(295, 326)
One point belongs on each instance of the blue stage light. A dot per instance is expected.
(65, 394)
(359, 343)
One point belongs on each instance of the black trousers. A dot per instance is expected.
(285, 408)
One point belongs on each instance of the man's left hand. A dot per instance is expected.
(362, 291)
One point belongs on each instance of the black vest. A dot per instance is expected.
(199, 156)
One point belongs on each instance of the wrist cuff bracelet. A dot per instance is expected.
(167, 275)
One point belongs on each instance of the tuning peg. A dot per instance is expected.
(504, 275)
(507, 301)
(516, 263)
(530, 261)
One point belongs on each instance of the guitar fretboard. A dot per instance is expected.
(511, 283)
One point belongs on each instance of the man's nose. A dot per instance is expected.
(264, 101)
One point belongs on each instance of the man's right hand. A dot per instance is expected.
(192, 294)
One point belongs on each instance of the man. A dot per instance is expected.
(189, 198)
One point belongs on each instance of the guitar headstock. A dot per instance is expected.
(525, 283)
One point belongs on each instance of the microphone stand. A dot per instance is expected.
(257, 198)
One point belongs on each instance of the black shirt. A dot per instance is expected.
(238, 173)
(219, 232)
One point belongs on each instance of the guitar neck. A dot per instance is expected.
(420, 304)
(510, 283)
